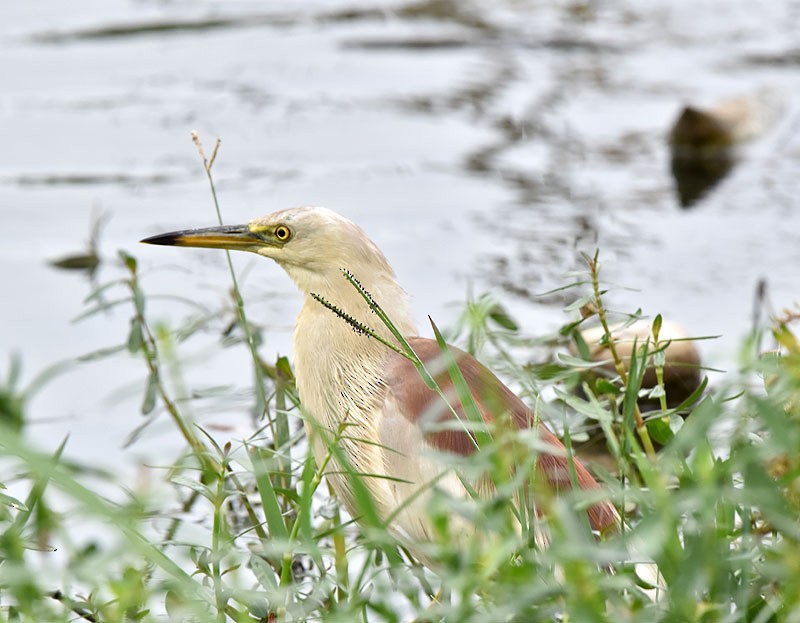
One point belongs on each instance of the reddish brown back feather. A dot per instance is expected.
(420, 404)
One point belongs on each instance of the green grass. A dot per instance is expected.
(246, 529)
(717, 509)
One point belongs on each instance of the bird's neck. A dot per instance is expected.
(325, 339)
(340, 379)
(339, 370)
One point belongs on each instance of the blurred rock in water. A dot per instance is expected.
(703, 143)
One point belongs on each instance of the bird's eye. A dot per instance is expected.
(283, 233)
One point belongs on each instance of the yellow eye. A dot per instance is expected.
(283, 233)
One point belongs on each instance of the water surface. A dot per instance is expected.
(482, 145)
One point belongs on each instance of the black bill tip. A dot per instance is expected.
(171, 239)
(220, 237)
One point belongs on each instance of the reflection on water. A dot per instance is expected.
(697, 175)
(89, 259)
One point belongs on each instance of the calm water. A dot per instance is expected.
(482, 144)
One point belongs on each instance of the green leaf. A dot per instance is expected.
(306, 494)
(656, 327)
(128, 260)
(581, 302)
(481, 435)
(604, 386)
(501, 317)
(549, 371)
(194, 485)
(660, 431)
(269, 499)
(14, 370)
(636, 370)
(138, 300)
(135, 337)
(590, 408)
(580, 344)
(676, 422)
(7, 500)
(149, 402)
(285, 368)
(694, 397)
(258, 609)
(264, 573)
(576, 362)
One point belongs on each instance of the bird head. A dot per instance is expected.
(312, 244)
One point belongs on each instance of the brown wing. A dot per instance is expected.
(419, 404)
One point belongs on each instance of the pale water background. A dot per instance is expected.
(483, 145)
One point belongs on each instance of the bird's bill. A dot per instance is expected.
(223, 237)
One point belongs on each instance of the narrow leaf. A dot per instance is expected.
(656, 328)
(135, 337)
(264, 573)
(481, 435)
(149, 402)
(269, 499)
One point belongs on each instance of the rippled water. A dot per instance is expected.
(482, 144)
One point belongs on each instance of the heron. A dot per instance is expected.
(394, 418)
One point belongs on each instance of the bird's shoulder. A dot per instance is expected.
(410, 397)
